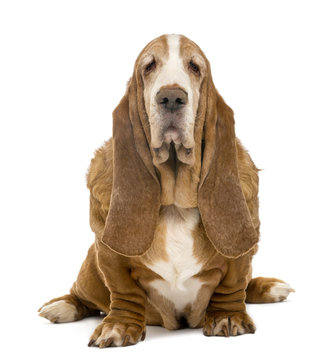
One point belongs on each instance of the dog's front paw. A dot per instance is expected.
(226, 323)
(116, 334)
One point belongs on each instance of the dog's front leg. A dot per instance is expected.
(125, 322)
(226, 313)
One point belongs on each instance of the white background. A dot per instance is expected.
(64, 67)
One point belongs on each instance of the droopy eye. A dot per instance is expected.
(194, 68)
(151, 66)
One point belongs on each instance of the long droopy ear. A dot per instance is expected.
(135, 198)
(221, 202)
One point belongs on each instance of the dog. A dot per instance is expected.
(174, 209)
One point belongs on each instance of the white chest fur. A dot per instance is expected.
(181, 264)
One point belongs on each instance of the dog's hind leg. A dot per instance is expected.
(66, 308)
(267, 290)
(88, 295)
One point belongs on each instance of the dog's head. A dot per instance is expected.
(171, 70)
(174, 143)
(171, 75)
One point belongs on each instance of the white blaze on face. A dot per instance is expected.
(172, 72)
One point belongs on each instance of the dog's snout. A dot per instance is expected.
(171, 99)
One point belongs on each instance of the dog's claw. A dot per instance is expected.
(126, 340)
(109, 342)
(91, 343)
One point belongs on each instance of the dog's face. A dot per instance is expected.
(172, 69)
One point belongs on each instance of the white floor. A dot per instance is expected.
(285, 330)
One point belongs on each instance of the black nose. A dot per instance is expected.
(171, 99)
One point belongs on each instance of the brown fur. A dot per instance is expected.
(129, 191)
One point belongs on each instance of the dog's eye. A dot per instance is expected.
(194, 68)
(151, 66)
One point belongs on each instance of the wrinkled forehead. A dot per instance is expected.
(171, 48)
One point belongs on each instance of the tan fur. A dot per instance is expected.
(129, 192)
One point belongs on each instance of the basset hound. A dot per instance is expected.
(174, 209)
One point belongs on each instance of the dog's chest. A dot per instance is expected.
(179, 264)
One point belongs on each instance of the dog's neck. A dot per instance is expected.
(179, 181)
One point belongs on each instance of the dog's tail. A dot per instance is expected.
(267, 290)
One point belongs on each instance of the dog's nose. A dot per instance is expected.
(171, 99)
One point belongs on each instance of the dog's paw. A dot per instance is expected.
(279, 291)
(263, 290)
(226, 323)
(59, 311)
(116, 334)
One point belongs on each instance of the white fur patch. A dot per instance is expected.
(181, 297)
(280, 291)
(59, 312)
(178, 284)
(173, 71)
